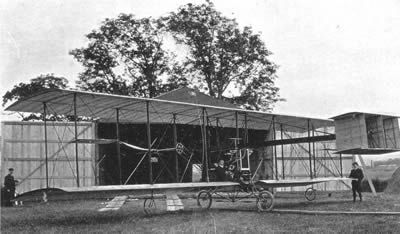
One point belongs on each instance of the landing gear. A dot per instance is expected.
(310, 194)
(204, 199)
(265, 201)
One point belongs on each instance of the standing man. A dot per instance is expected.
(356, 173)
(9, 186)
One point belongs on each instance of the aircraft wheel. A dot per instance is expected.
(149, 206)
(310, 194)
(265, 201)
(204, 199)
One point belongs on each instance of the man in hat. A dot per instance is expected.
(356, 173)
(9, 186)
(220, 171)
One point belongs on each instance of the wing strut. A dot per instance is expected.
(76, 139)
(175, 136)
(149, 142)
(118, 146)
(309, 148)
(45, 143)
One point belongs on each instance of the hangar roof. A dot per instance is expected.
(194, 96)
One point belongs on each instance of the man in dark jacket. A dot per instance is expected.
(220, 172)
(356, 173)
(9, 187)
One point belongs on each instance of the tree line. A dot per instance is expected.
(195, 46)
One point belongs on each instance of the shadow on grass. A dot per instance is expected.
(73, 219)
(303, 204)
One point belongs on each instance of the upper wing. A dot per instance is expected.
(103, 106)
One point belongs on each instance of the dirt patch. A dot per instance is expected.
(394, 183)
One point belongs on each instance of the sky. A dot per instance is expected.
(333, 56)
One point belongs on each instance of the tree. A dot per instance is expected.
(224, 57)
(126, 56)
(23, 90)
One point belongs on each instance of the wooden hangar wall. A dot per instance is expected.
(23, 148)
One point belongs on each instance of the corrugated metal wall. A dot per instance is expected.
(23, 148)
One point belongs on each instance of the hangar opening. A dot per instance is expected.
(164, 167)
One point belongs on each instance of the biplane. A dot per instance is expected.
(119, 109)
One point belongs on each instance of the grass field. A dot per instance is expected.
(223, 217)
